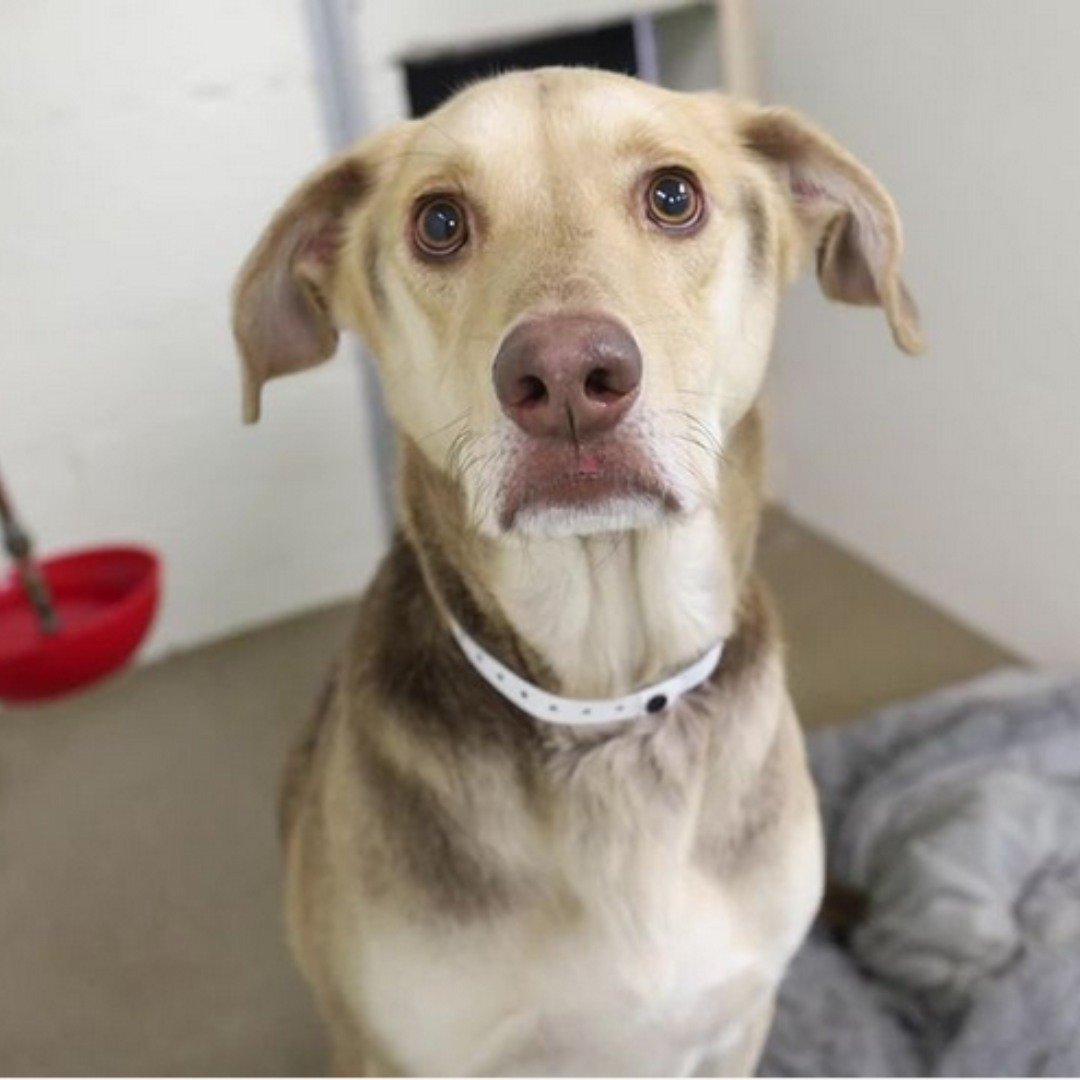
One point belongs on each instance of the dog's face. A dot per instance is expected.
(569, 280)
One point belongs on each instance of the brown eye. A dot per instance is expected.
(673, 201)
(440, 228)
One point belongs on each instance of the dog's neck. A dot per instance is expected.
(593, 616)
(613, 612)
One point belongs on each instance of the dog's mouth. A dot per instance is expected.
(583, 488)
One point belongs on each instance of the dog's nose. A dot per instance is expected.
(571, 376)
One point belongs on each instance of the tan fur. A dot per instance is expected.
(470, 890)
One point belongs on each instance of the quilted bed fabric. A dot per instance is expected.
(957, 816)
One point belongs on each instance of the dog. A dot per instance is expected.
(553, 815)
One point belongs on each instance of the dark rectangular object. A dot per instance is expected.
(430, 82)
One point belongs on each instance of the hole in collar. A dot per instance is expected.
(657, 703)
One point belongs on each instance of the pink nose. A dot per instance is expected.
(567, 376)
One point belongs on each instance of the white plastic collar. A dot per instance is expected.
(581, 712)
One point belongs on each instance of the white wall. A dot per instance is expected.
(958, 472)
(142, 146)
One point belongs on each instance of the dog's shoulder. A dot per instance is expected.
(295, 775)
(756, 744)
(380, 621)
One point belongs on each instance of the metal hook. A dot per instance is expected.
(18, 545)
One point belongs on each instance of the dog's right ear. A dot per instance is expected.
(281, 303)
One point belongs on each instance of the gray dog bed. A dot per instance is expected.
(958, 816)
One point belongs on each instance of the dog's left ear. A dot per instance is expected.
(843, 211)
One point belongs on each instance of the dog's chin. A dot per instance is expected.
(560, 491)
(619, 514)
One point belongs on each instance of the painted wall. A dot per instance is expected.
(142, 147)
(959, 473)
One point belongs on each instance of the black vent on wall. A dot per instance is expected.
(430, 82)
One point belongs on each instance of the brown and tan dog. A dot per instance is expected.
(569, 280)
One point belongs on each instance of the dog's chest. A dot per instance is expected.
(608, 990)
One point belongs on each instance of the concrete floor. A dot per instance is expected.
(139, 897)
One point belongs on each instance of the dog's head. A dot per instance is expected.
(569, 280)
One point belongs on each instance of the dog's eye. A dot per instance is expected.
(673, 201)
(440, 228)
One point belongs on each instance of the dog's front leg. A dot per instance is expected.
(350, 1058)
(739, 1053)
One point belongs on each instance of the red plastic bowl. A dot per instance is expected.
(105, 598)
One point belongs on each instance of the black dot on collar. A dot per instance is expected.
(657, 703)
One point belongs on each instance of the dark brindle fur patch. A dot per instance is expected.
(299, 760)
(373, 275)
(758, 222)
(430, 847)
(419, 671)
(747, 657)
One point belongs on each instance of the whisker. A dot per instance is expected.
(459, 419)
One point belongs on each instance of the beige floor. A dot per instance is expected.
(139, 892)
(855, 639)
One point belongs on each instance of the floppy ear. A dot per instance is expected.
(281, 308)
(843, 211)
